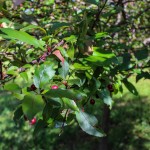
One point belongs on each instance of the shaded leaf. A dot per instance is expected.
(95, 2)
(104, 94)
(145, 75)
(95, 85)
(64, 70)
(18, 114)
(32, 104)
(57, 25)
(68, 93)
(130, 87)
(33, 27)
(39, 127)
(87, 123)
(70, 104)
(141, 54)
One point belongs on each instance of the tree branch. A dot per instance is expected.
(98, 14)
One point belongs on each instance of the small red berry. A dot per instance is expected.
(54, 87)
(110, 87)
(92, 101)
(33, 121)
(33, 87)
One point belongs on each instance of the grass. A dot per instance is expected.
(142, 86)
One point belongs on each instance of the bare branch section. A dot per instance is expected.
(1, 71)
(98, 14)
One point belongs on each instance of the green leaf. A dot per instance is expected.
(32, 27)
(49, 2)
(72, 39)
(32, 104)
(130, 87)
(145, 75)
(101, 61)
(39, 127)
(11, 87)
(18, 114)
(18, 96)
(43, 74)
(55, 101)
(23, 36)
(24, 76)
(102, 53)
(100, 35)
(87, 123)
(70, 104)
(104, 94)
(64, 70)
(71, 52)
(13, 70)
(78, 66)
(95, 85)
(5, 20)
(75, 81)
(47, 111)
(68, 93)
(95, 2)
(141, 54)
(96, 59)
(57, 25)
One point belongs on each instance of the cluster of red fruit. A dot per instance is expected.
(54, 87)
(33, 88)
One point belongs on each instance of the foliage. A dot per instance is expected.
(79, 46)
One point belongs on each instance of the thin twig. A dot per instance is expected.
(1, 71)
(64, 120)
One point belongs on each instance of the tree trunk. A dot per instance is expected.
(105, 126)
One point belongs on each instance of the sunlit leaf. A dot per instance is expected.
(23, 36)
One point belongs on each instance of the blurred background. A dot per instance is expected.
(129, 125)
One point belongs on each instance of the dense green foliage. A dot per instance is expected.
(57, 56)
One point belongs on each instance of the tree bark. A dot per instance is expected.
(105, 126)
